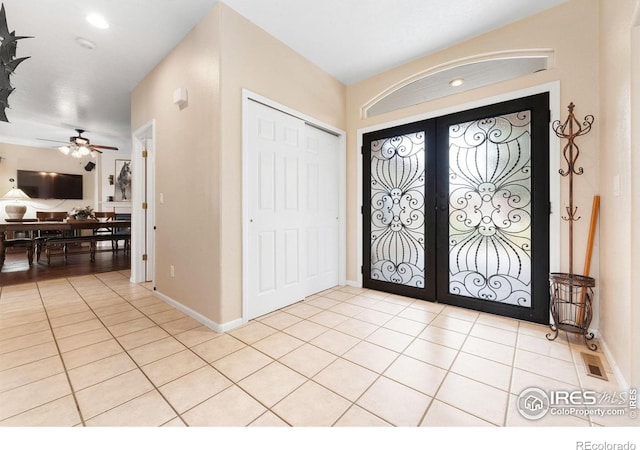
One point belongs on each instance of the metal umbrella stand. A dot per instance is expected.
(571, 294)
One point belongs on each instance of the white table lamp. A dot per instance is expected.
(15, 210)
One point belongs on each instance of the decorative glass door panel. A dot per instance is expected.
(490, 209)
(397, 209)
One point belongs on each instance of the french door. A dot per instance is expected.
(456, 209)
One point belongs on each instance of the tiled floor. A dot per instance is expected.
(96, 351)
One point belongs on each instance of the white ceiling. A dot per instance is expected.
(64, 86)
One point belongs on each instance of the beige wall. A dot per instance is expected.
(620, 212)
(187, 168)
(199, 149)
(19, 157)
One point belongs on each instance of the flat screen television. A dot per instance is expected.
(50, 184)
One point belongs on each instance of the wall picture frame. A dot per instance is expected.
(122, 185)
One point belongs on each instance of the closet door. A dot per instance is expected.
(276, 192)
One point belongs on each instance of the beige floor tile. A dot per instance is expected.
(230, 408)
(329, 319)
(121, 317)
(322, 302)
(521, 380)
(114, 392)
(394, 402)
(272, 383)
(417, 315)
(311, 405)
(374, 317)
(358, 417)
(443, 337)
(90, 353)
(268, 419)
(460, 313)
(57, 413)
(416, 374)
(172, 367)
(362, 301)
(77, 328)
(155, 308)
(338, 295)
(308, 360)
(217, 348)
(84, 339)
(491, 350)
(476, 398)
(536, 330)
(346, 378)
(28, 373)
(21, 330)
(101, 370)
(388, 307)
(435, 354)
(483, 370)
(196, 336)
(347, 309)
(546, 366)
(26, 397)
(142, 337)
(252, 332)
(405, 326)
(280, 320)
(555, 349)
(443, 415)
(452, 324)
(23, 319)
(114, 307)
(177, 422)
(194, 388)
(356, 328)
(69, 319)
(305, 330)
(302, 310)
(377, 295)
(492, 320)
(181, 325)
(494, 334)
(242, 363)
(156, 350)
(392, 340)
(371, 356)
(277, 345)
(335, 342)
(131, 327)
(26, 341)
(148, 410)
(27, 355)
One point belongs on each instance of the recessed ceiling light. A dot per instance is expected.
(85, 43)
(456, 82)
(97, 21)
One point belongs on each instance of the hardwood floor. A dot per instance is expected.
(16, 269)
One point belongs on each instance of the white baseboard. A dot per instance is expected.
(353, 283)
(219, 328)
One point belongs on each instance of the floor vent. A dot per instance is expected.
(594, 366)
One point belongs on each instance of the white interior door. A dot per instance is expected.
(322, 209)
(275, 196)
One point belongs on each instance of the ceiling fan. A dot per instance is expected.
(80, 146)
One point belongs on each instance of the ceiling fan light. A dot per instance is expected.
(64, 149)
(84, 150)
(76, 154)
